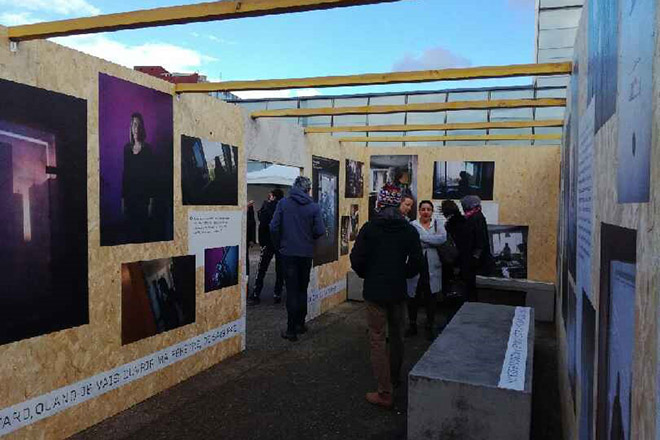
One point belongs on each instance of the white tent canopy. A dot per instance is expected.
(273, 175)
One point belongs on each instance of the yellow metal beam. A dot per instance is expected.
(488, 137)
(546, 69)
(218, 10)
(411, 108)
(437, 127)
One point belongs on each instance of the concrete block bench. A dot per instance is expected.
(538, 295)
(475, 381)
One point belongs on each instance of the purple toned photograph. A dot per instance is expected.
(43, 212)
(136, 163)
(220, 268)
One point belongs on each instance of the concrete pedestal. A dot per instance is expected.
(540, 296)
(475, 381)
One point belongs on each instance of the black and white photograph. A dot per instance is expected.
(345, 232)
(587, 361)
(455, 180)
(635, 101)
(325, 181)
(354, 179)
(209, 172)
(156, 296)
(509, 247)
(43, 212)
(355, 222)
(616, 331)
(398, 170)
(603, 53)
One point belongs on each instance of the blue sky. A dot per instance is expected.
(405, 35)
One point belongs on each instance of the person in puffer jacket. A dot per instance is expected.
(296, 224)
(386, 253)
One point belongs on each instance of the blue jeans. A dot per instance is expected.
(296, 280)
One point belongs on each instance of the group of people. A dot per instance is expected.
(402, 264)
(405, 265)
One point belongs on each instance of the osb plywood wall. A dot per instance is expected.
(526, 189)
(640, 216)
(36, 366)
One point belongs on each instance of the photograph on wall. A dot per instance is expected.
(603, 52)
(355, 222)
(345, 232)
(156, 296)
(220, 268)
(354, 179)
(455, 180)
(209, 172)
(136, 163)
(43, 212)
(588, 351)
(398, 170)
(635, 101)
(325, 181)
(616, 331)
(571, 341)
(509, 247)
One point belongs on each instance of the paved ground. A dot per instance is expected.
(312, 389)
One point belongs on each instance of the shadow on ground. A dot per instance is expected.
(311, 389)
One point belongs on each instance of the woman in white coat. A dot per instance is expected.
(423, 289)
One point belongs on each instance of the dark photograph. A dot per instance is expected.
(455, 180)
(325, 180)
(509, 246)
(209, 172)
(398, 170)
(616, 333)
(43, 212)
(156, 296)
(136, 163)
(354, 179)
(571, 342)
(220, 268)
(588, 351)
(345, 232)
(355, 222)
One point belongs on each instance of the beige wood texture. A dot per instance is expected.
(526, 188)
(35, 366)
(645, 219)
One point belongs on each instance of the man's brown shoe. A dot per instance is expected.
(381, 399)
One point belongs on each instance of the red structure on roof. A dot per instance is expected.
(176, 78)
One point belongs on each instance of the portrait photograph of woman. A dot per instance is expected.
(135, 138)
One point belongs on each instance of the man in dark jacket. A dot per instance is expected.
(267, 249)
(386, 253)
(479, 258)
(296, 224)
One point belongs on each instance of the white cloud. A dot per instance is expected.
(17, 18)
(221, 40)
(288, 93)
(433, 58)
(171, 57)
(63, 7)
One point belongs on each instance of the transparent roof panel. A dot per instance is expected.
(467, 96)
(548, 130)
(426, 118)
(351, 102)
(425, 144)
(428, 133)
(550, 113)
(556, 38)
(316, 121)
(467, 116)
(510, 131)
(551, 93)
(349, 134)
(254, 106)
(423, 99)
(555, 55)
(338, 121)
(553, 81)
(560, 18)
(388, 100)
(387, 119)
(466, 132)
(279, 105)
(385, 133)
(560, 3)
(508, 114)
(316, 103)
(512, 94)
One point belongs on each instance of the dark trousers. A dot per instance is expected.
(423, 298)
(267, 254)
(386, 359)
(296, 279)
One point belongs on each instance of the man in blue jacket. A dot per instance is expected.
(295, 225)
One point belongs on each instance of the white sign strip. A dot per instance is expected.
(512, 376)
(315, 296)
(41, 407)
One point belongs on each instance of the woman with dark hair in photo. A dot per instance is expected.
(423, 289)
(478, 256)
(137, 183)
